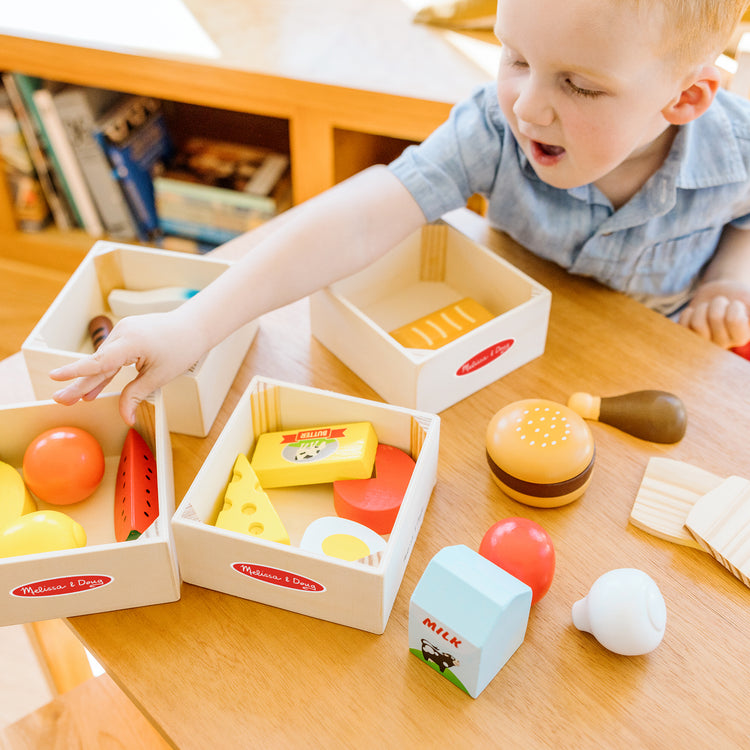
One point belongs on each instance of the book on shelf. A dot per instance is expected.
(213, 190)
(27, 86)
(29, 205)
(134, 136)
(78, 191)
(79, 108)
(38, 148)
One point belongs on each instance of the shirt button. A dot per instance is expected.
(606, 234)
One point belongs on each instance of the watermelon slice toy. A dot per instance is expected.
(136, 494)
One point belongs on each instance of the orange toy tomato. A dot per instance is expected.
(63, 465)
(524, 549)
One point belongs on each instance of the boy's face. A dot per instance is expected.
(582, 86)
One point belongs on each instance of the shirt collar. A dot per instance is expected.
(702, 163)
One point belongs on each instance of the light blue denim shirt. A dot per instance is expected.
(653, 248)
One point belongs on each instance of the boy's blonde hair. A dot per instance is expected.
(693, 31)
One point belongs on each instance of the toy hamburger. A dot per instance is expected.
(541, 453)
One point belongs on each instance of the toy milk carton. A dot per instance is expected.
(467, 617)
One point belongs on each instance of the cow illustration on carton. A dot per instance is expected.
(442, 658)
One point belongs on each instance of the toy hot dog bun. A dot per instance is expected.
(443, 326)
(315, 455)
(541, 453)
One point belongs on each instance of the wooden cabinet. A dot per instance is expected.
(342, 84)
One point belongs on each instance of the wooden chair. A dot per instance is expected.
(92, 716)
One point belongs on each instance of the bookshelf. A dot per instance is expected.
(341, 85)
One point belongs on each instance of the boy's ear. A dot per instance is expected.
(694, 100)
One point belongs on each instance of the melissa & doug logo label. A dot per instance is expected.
(278, 577)
(61, 586)
(490, 354)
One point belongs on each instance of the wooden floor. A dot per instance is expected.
(23, 687)
(93, 716)
(26, 291)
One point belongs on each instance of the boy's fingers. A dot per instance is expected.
(94, 392)
(695, 318)
(738, 323)
(83, 388)
(128, 406)
(717, 311)
(110, 358)
(85, 367)
(132, 394)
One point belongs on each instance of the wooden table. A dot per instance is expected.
(216, 671)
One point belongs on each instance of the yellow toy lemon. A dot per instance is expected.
(15, 498)
(41, 531)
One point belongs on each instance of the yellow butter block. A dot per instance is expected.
(247, 508)
(315, 455)
(443, 326)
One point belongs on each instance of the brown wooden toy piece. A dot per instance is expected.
(99, 328)
(650, 415)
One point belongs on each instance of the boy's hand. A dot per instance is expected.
(720, 312)
(159, 345)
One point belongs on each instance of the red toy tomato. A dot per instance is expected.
(63, 465)
(524, 549)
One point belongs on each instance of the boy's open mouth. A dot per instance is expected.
(550, 150)
(546, 153)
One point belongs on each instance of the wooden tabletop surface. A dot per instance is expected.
(212, 670)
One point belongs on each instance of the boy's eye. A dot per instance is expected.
(511, 58)
(578, 91)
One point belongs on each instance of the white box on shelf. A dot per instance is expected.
(193, 399)
(355, 594)
(105, 574)
(435, 267)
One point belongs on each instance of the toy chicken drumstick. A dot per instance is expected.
(651, 415)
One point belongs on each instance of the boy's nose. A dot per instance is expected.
(533, 106)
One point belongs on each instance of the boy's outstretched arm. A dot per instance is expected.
(308, 247)
(720, 308)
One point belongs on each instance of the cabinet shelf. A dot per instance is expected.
(361, 106)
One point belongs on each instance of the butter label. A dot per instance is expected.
(315, 455)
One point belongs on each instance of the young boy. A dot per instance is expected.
(605, 145)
